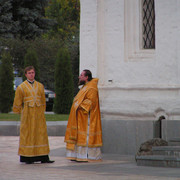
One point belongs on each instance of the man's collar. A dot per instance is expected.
(31, 82)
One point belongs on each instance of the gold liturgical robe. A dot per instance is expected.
(85, 103)
(30, 102)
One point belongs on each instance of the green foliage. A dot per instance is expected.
(23, 19)
(17, 49)
(30, 15)
(31, 59)
(66, 13)
(6, 83)
(73, 46)
(63, 82)
(65, 32)
(7, 26)
(46, 50)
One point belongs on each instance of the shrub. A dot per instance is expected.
(31, 59)
(63, 82)
(6, 83)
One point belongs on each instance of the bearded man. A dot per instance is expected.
(84, 132)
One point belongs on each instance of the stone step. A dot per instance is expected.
(174, 142)
(166, 150)
(158, 161)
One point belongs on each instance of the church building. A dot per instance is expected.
(133, 47)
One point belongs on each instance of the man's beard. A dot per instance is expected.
(81, 83)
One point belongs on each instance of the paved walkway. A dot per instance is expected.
(113, 167)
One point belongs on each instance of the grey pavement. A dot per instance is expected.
(113, 166)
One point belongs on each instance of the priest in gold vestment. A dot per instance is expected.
(30, 102)
(84, 133)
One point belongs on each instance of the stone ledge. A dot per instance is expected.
(158, 157)
(174, 140)
(166, 148)
(158, 161)
(11, 128)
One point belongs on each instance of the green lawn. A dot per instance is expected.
(49, 117)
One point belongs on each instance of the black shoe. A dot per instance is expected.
(48, 161)
(72, 159)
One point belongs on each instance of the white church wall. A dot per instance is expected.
(167, 27)
(88, 36)
(145, 81)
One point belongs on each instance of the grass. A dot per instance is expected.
(49, 117)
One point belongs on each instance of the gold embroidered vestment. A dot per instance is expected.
(30, 102)
(86, 103)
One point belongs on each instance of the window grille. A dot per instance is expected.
(148, 21)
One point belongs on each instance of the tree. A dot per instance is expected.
(31, 59)
(63, 82)
(8, 27)
(46, 50)
(31, 17)
(17, 49)
(23, 18)
(73, 46)
(63, 33)
(6, 83)
(67, 15)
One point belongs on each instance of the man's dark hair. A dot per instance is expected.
(28, 69)
(88, 73)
